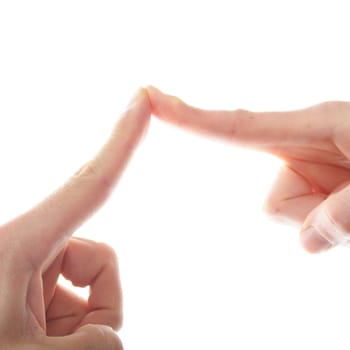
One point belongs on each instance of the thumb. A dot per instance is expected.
(92, 337)
(328, 224)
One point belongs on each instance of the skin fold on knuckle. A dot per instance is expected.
(238, 122)
(92, 173)
(334, 108)
(107, 252)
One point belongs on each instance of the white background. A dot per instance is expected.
(202, 267)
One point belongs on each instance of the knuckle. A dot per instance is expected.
(108, 256)
(277, 211)
(336, 109)
(92, 172)
(273, 208)
(244, 112)
(238, 119)
(107, 251)
(87, 169)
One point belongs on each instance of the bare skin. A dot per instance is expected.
(35, 247)
(311, 189)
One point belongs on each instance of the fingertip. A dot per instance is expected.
(154, 96)
(155, 93)
(313, 242)
(146, 102)
(146, 97)
(153, 90)
(137, 116)
(140, 96)
(143, 92)
(150, 87)
(139, 107)
(164, 106)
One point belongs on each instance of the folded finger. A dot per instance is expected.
(87, 263)
(65, 312)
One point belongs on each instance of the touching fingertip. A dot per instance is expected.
(152, 88)
(135, 98)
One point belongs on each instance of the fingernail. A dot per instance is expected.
(135, 99)
(313, 242)
(107, 328)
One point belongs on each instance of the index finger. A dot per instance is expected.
(243, 127)
(44, 229)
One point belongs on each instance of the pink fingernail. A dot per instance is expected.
(313, 242)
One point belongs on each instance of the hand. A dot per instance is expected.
(36, 312)
(313, 187)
